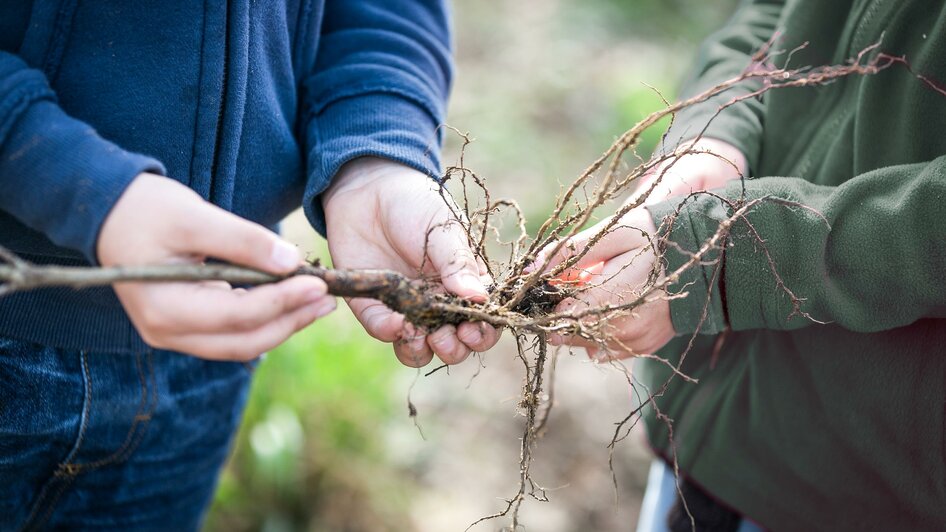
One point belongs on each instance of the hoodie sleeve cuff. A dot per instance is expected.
(58, 176)
(701, 309)
(385, 125)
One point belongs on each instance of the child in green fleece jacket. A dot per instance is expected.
(797, 424)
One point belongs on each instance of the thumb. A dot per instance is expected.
(212, 231)
(460, 272)
(630, 232)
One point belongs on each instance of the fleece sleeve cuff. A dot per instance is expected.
(58, 176)
(701, 308)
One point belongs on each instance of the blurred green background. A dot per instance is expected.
(327, 444)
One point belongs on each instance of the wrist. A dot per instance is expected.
(112, 235)
(723, 149)
(362, 179)
(359, 174)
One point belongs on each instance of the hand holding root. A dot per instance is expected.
(621, 264)
(380, 214)
(160, 221)
(708, 164)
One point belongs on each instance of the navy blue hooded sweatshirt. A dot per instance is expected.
(254, 105)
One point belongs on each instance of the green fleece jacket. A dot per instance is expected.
(800, 425)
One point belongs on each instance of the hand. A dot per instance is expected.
(628, 261)
(378, 215)
(158, 220)
(716, 164)
(627, 258)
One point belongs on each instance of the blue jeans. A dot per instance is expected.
(659, 498)
(130, 441)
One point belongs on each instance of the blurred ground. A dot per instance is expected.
(327, 445)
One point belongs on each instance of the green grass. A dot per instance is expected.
(310, 444)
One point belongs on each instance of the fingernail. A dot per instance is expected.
(285, 256)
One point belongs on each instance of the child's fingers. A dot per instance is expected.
(249, 345)
(211, 231)
(161, 311)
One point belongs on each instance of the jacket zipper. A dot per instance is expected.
(218, 136)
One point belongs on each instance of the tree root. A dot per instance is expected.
(525, 298)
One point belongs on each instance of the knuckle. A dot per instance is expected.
(153, 321)
(242, 322)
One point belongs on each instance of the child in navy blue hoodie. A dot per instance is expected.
(150, 132)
